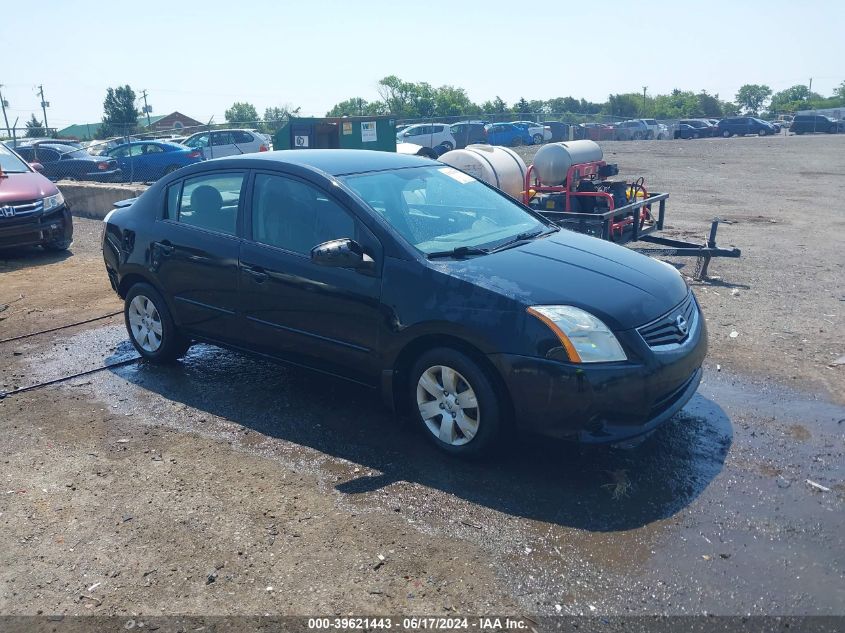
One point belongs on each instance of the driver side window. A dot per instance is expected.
(295, 216)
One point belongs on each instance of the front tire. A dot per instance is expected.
(726, 134)
(56, 246)
(151, 327)
(516, 142)
(538, 139)
(455, 403)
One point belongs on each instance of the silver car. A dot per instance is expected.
(218, 143)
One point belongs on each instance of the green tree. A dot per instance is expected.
(241, 112)
(452, 101)
(120, 116)
(710, 105)
(496, 106)
(626, 105)
(356, 106)
(751, 97)
(397, 96)
(34, 129)
(839, 91)
(521, 106)
(794, 98)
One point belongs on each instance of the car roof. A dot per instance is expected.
(336, 162)
(61, 147)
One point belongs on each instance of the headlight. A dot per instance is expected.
(53, 202)
(585, 338)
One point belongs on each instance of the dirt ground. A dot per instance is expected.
(225, 485)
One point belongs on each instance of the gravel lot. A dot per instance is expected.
(225, 485)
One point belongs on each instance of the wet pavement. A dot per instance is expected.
(712, 514)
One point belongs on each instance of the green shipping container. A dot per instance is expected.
(378, 133)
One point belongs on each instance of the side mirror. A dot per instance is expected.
(37, 166)
(342, 253)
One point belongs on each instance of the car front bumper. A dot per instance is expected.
(603, 403)
(56, 225)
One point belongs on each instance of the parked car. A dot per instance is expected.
(633, 130)
(804, 123)
(656, 130)
(595, 131)
(686, 131)
(64, 161)
(150, 160)
(32, 209)
(465, 308)
(428, 135)
(98, 148)
(539, 132)
(742, 125)
(704, 130)
(28, 142)
(468, 133)
(559, 130)
(508, 134)
(219, 143)
(777, 125)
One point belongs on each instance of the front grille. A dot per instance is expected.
(665, 331)
(21, 209)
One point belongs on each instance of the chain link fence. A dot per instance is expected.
(130, 156)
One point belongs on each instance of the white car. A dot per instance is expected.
(656, 130)
(219, 143)
(539, 133)
(428, 135)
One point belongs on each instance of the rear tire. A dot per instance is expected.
(171, 169)
(151, 327)
(516, 142)
(762, 132)
(56, 246)
(726, 134)
(538, 139)
(443, 387)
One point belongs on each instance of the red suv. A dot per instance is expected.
(32, 210)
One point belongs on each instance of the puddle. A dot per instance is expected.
(717, 493)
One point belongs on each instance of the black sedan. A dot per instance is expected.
(59, 162)
(464, 308)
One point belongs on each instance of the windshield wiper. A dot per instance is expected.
(524, 237)
(459, 252)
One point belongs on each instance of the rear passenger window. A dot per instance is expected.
(242, 137)
(208, 202)
(295, 216)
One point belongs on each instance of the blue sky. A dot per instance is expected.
(199, 57)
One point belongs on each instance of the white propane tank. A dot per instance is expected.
(553, 160)
(498, 166)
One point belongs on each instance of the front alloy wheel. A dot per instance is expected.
(453, 398)
(448, 405)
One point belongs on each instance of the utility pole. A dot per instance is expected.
(44, 106)
(810, 89)
(147, 109)
(644, 97)
(4, 104)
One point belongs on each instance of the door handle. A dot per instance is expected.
(165, 248)
(257, 273)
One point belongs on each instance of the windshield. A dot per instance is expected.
(440, 208)
(10, 163)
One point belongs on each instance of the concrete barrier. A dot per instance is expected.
(95, 200)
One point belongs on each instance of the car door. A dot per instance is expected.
(322, 317)
(195, 256)
(50, 160)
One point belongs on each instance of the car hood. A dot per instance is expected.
(24, 187)
(623, 288)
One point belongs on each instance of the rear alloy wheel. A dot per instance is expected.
(761, 132)
(150, 326)
(726, 134)
(455, 403)
(171, 169)
(538, 139)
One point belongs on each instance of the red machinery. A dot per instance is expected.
(588, 201)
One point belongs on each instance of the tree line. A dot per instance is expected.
(420, 100)
(409, 100)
